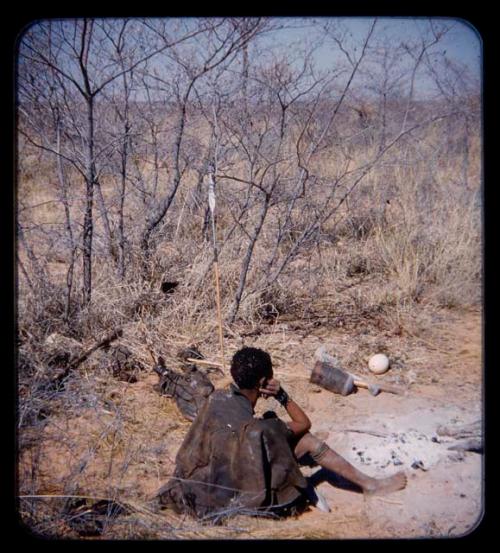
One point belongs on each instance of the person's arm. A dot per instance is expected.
(300, 423)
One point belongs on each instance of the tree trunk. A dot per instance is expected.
(64, 192)
(108, 235)
(246, 261)
(88, 223)
(121, 225)
(158, 215)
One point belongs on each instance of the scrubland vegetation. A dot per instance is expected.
(346, 197)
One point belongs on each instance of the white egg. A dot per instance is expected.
(378, 363)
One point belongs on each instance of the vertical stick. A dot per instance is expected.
(219, 315)
(211, 203)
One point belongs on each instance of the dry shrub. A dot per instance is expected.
(433, 255)
(42, 312)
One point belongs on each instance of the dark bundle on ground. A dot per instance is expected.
(189, 389)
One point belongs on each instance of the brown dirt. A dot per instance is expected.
(126, 449)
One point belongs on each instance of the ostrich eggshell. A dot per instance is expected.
(378, 363)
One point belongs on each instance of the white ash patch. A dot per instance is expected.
(408, 441)
(408, 449)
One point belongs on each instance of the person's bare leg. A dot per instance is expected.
(329, 459)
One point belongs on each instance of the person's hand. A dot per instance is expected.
(270, 388)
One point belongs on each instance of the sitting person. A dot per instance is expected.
(231, 461)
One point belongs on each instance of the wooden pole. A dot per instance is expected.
(211, 203)
(219, 314)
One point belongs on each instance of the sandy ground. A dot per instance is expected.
(442, 376)
(384, 434)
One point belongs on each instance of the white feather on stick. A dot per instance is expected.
(211, 193)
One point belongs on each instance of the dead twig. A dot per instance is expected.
(102, 343)
(390, 501)
(375, 433)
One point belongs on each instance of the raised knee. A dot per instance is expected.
(311, 444)
(318, 450)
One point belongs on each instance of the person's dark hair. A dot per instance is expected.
(249, 365)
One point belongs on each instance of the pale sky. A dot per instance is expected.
(461, 44)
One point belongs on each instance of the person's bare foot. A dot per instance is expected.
(381, 486)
